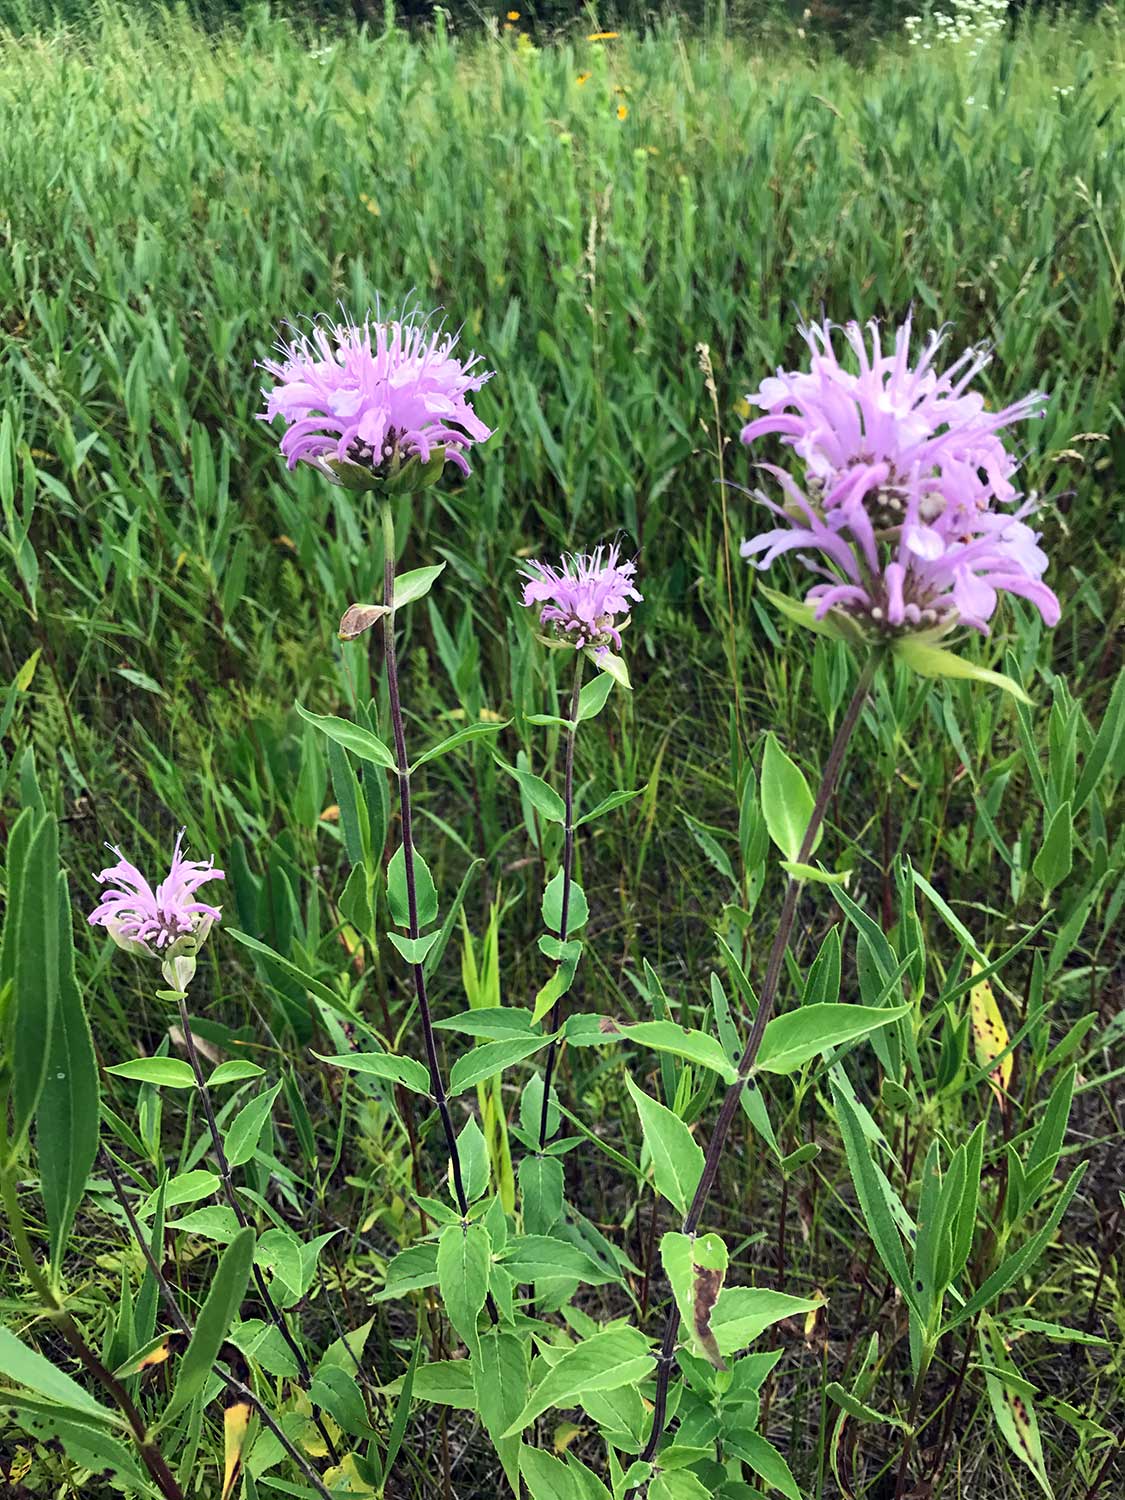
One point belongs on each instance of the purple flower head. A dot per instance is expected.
(901, 506)
(144, 920)
(359, 402)
(887, 425)
(586, 599)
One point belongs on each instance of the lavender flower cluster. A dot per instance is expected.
(903, 503)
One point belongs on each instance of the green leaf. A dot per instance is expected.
(607, 804)
(27, 1367)
(500, 1381)
(814, 872)
(857, 1408)
(678, 1484)
(787, 803)
(245, 1130)
(185, 1187)
(424, 890)
(549, 994)
(414, 950)
(548, 1478)
(541, 1192)
(661, 1036)
(461, 737)
(615, 1358)
(493, 1057)
(34, 911)
(463, 1256)
(361, 742)
(613, 666)
(216, 1222)
(1020, 1260)
(164, 1072)
(677, 1157)
(742, 1313)
(545, 800)
(936, 661)
(592, 698)
(803, 614)
(873, 1192)
(236, 1071)
(795, 1038)
(577, 909)
(215, 1318)
(446, 1382)
(68, 1119)
(539, 1257)
(411, 1270)
(405, 1070)
(416, 584)
(472, 1152)
(768, 1464)
(497, 1022)
(1055, 859)
(291, 970)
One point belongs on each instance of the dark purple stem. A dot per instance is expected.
(564, 906)
(437, 1086)
(746, 1062)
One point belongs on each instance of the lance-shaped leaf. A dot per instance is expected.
(787, 802)
(463, 1257)
(617, 1357)
(661, 1036)
(795, 1038)
(215, 1318)
(677, 1158)
(361, 742)
(501, 1382)
(742, 1313)
(937, 661)
(67, 1120)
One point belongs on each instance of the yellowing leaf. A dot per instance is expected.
(990, 1037)
(565, 1433)
(27, 671)
(236, 1422)
(345, 1478)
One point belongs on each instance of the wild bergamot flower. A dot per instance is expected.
(586, 599)
(904, 481)
(361, 401)
(137, 917)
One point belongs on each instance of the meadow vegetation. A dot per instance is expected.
(629, 232)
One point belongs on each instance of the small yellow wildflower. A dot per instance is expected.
(513, 15)
(622, 111)
(603, 36)
(582, 79)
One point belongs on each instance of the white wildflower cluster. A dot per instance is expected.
(965, 21)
